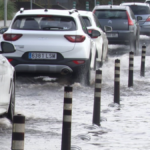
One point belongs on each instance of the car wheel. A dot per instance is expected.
(137, 47)
(83, 75)
(101, 62)
(106, 55)
(11, 109)
(88, 77)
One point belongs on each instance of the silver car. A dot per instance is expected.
(147, 1)
(142, 14)
(101, 41)
(125, 29)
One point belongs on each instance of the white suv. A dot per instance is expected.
(101, 42)
(51, 41)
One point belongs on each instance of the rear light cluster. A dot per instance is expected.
(11, 37)
(75, 38)
(148, 19)
(130, 22)
(10, 59)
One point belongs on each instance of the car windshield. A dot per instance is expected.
(44, 22)
(111, 14)
(87, 21)
(137, 10)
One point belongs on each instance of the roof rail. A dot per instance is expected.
(72, 11)
(45, 9)
(21, 10)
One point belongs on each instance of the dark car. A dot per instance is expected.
(142, 14)
(147, 1)
(125, 28)
(3, 30)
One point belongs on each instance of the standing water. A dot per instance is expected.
(123, 127)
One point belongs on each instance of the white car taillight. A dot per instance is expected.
(11, 37)
(75, 38)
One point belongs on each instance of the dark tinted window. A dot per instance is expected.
(140, 9)
(87, 21)
(111, 14)
(132, 15)
(148, 2)
(97, 22)
(3, 30)
(83, 25)
(43, 22)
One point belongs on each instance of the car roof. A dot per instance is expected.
(132, 3)
(47, 12)
(111, 7)
(82, 12)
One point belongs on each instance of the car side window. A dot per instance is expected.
(97, 22)
(132, 15)
(83, 25)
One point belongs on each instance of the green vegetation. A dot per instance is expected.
(10, 9)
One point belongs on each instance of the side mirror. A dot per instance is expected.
(107, 28)
(139, 18)
(95, 34)
(7, 47)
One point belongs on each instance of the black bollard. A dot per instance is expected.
(143, 60)
(67, 117)
(18, 132)
(97, 98)
(131, 64)
(117, 82)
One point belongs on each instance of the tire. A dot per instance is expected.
(88, 77)
(100, 64)
(107, 56)
(11, 110)
(83, 75)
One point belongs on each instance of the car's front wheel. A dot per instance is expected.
(11, 110)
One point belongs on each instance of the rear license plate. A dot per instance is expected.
(112, 35)
(42, 55)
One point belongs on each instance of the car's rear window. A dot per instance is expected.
(111, 14)
(87, 21)
(44, 22)
(148, 2)
(137, 10)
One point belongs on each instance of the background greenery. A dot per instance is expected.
(11, 9)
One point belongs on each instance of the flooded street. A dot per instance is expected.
(124, 127)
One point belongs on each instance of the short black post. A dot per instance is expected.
(67, 118)
(131, 64)
(117, 82)
(143, 60)
(97, 98)
(18, 132)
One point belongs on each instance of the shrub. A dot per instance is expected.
(11, 9)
